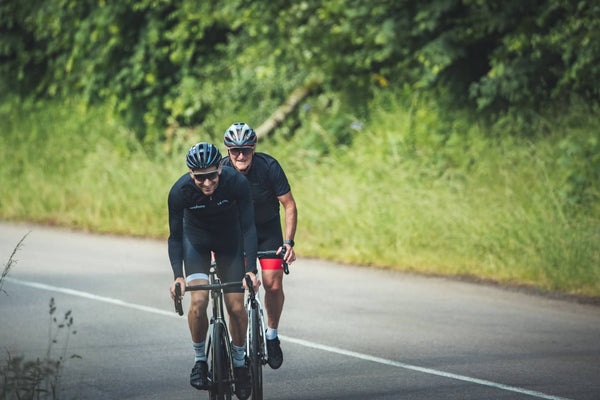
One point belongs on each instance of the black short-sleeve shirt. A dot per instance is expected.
(267, 182)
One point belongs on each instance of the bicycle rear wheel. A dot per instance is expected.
(221, 376)
(255, 354)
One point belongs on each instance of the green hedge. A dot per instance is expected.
(179, 63)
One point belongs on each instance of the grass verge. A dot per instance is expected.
(409, 189)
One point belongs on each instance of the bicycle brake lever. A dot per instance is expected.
(249, 284)
(285, 265)
(250, 290)
(178, 305)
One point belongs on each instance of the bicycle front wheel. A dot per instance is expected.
(255, 354)
(221, 376)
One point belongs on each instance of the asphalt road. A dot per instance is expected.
(347, 332)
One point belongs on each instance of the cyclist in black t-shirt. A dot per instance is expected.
(210, 209)
(269, 187)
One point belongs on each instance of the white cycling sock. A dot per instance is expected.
(200, 349)
(238, 355)
(271, 333)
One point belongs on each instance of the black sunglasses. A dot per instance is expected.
(212, 175)
(236, 151)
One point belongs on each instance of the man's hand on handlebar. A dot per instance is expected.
(181, 282)
(255, 281)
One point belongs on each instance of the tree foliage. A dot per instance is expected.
(177, 62)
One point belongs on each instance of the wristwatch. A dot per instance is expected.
(290, 242)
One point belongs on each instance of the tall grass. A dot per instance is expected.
(39, 379)
(420, 193)
(408, 189)
(75, 167)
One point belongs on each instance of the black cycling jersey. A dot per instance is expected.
(267, 182)
(228, 209)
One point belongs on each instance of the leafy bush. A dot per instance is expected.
(189, 63)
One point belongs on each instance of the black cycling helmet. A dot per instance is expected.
(239, 134)
(203, 155)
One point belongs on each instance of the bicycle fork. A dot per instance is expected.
(261, 319)
(217, 324)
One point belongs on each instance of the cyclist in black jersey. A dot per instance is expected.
(210, 210)
(270, 187)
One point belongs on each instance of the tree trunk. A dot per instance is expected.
(288, 107)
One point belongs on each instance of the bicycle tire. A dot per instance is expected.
(221, 388)
(255, 353)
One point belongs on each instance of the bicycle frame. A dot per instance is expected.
(221, 382)
(216, 333)
(221, 377)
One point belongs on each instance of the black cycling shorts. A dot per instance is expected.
(228, 247)
(270, 237)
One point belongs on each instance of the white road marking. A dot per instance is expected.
(91, 296)
(420, 369)
(300, 342)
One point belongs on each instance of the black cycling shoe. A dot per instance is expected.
(242, 382)
(275, 354)
(198, 375)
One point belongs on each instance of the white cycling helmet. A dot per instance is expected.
(239, 134)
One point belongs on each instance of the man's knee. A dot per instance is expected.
(273, 281)
(235, 304)
(198, 306)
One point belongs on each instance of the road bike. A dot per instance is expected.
(221, 376)
(256, 342)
